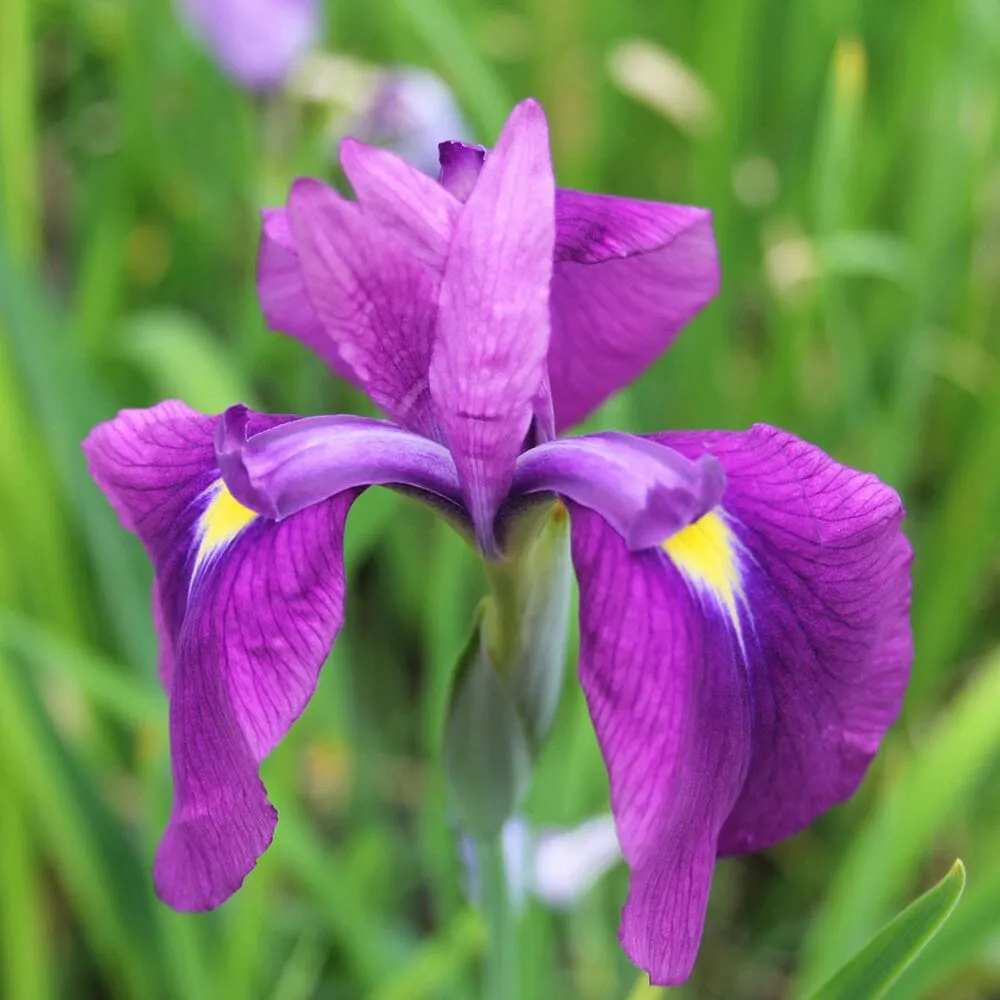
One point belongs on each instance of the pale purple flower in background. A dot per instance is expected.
(744, 630)
(410, 109)
(256, 42)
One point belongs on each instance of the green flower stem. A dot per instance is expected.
(644, 991)
(501, 971)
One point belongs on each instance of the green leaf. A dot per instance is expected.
(184, 360)
(93, 856)
(102, 681)
(964, 939)
(475, 79)
(876, 967)
(67, 398)
(926, 794)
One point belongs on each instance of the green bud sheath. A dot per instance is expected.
(509, 677)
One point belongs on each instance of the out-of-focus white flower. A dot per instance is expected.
(658, 79)
(556, 865)
(567, 863)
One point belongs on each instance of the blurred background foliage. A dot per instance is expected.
(849, 152)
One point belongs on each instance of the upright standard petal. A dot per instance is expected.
(488, 363)
(826, 596)
(248, 611)
(460, 167)
(671, 708)
(418, 211)
(373, 297)
(628, 276)
(762, 651)
(284, 298)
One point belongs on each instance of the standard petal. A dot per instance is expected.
(825, 604)
(281, 471)
(488, 364)
(645, 491)
(460, 167)
(628, 276)
(250, 610)
(670, 705)
(284, 299)
(417, 210)
(374, 299)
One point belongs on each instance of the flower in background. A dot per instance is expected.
(257, 42)
(744, 598)
(557, 865)
(566, 863)
(405, 109)
(409, 111)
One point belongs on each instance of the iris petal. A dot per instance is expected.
(257, 43)
(460, 166)
(374, 300)
(644, 491)
(411, 205)
(281, 471)
(628, 276)
(488, 362)
(742, 674)
(827, 595)
(284, 298)
(672, 714)
(247, 610)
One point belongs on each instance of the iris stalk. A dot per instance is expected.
(500, 914)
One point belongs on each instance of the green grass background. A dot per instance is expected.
(859, 309)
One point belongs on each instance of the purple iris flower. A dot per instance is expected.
(744, 598)
(257, 42)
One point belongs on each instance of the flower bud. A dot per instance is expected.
(509, 677)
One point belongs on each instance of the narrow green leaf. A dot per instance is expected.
(184, 360)
(26, 954)
(473, 77)
(18, 154)
(437, 962)
(67, 397)
(93, 857)
(964, 938)
(300, 977)
(105, 684)
(928, 792)
(876, 967)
